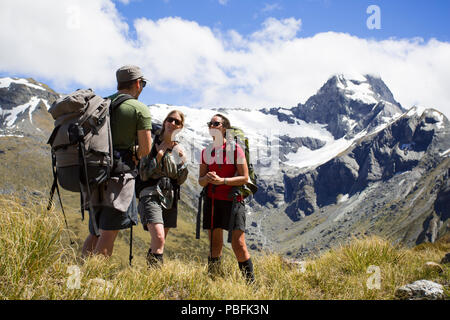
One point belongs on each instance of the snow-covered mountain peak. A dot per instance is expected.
(367, 89)
(357, 89)
(20, 101)
(7, 81)
(348, 104)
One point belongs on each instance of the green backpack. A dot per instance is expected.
(238, 135)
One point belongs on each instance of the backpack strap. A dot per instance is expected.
(114, 105)
(122, 161)
(119, 100)
(52, 192)
(232, 221)
(82, 161)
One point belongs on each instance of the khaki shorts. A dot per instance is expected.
(108, 218)
(151, 211)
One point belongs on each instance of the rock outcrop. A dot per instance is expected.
(421, 290)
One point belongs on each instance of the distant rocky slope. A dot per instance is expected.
(391, 179)
(23, 107)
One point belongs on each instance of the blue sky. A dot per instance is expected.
(230, 53)
(400, 18)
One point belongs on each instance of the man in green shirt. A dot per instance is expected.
(130, 122)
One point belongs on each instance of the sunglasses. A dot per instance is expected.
(172, 120)
(144, 83)
(213, 124)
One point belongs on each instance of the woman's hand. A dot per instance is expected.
(179, 155)
(213, 178)
(161, 149)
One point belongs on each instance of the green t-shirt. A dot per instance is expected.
(126, 120)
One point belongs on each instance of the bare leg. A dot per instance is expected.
(217, 242)
(242, 255)
(158, 235)
(89, 246)
(166, 232)
(105, 243)
(239, 246)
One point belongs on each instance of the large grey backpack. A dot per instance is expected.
(81, 144)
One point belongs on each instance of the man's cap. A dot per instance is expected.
(129, 73)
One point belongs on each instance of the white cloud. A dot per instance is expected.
(84, 42)
(268, 7)
(274, 29)
(66, 41)
(223, 2)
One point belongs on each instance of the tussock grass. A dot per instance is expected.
(37, 262)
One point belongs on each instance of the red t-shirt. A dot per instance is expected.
(224, 167)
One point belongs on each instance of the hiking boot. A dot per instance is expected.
(215, 267)
(154, 260)
(246, 268)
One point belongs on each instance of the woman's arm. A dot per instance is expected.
(239, 180)
(242, 175)
(203, 179)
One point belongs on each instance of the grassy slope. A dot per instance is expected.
(36, 255)
(25, 166)
(37, 262)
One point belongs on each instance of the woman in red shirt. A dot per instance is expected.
(222, 168)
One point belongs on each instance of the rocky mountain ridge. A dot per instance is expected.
(351, 161)
(393, 182)
(347, 105)
(23, 101)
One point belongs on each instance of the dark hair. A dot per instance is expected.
(225, 122)
(126, 85)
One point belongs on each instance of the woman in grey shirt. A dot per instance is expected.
(161, 173)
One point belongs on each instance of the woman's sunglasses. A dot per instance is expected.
(213, 124)
(172, 120)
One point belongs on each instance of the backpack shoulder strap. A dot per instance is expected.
(235, 151)
(121, 99)
(153, 151)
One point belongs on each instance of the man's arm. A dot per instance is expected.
(144, 143)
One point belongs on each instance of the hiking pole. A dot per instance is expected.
(131, 244)
(199, 215)
(232, 219)
(212, 221)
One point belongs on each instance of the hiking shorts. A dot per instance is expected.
(112, 219)
(151, 211)
(222, 214)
